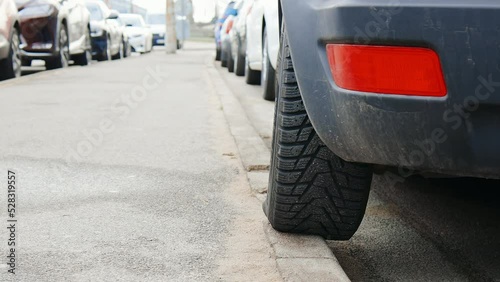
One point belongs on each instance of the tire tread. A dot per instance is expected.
(311, 190)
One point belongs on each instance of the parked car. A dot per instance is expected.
(364, 86)
(157, 22)
(107, 36)
(127, 49)
(227, 37)
(229, 11)
(54, 31)
(226, 41)
(238, 38)
(10, 56)
(139, 34)
(262, 46)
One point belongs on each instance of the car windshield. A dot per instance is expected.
(156, 19)
(95, 12)
(21, 2)
(132, 21)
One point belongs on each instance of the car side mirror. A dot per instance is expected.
(113, 15)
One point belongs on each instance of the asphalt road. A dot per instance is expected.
(419, 230)
(127, 172)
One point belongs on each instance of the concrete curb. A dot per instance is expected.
(298, 257)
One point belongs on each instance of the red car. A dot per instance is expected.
(10, 61)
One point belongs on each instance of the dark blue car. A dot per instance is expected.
(366, 85)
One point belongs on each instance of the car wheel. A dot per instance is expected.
(127, 50)
(230, 59)
(223, 58)
(85, 59)
(106, 54)
(217, 54)
(62, 58)
(268, 74)
(239, 62)
(11, 66)
(119, 55)
(252, 77)
(311, 190)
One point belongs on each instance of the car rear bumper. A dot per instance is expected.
(158, 40)
(457, 135)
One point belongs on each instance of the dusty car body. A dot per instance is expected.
(10, 60)
(54, 31)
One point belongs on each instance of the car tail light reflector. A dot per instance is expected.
(387, 69)
(229, 26)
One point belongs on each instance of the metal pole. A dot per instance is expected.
(171, 43)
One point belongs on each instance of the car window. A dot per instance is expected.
(21, 2)
(156, 19)
(95, 12)
(132, 21)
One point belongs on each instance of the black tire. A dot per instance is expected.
(62, 58)
(311, 190)
(106, 53)
(11, 66)
(127, 50)
(239, 62)
(25, 62)
(252, 77)
(230, 59)
(223, 58)
(268, 73)
(119, 55)
(85, 58)
(217, 54)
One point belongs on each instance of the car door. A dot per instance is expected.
(74, 19)
(115, 34)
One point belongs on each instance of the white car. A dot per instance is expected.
(140, 36)
(263, 44)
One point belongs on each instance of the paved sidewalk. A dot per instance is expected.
(128, 172)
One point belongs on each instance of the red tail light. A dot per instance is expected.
(388, 70)
(229, 26)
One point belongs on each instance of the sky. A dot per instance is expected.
(203, 10)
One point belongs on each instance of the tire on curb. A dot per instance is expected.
(120, 54)
(106, 53)
(62, 58)
(230, 60)
(239, 62)
(11, 66)
(85, 58)
(252, 77)
(217, 54)
(311, 190)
